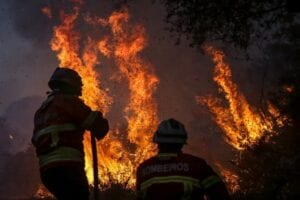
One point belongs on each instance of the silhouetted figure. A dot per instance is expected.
(59, 125)
(172, 175)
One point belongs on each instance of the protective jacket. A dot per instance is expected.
(176, 176)
(59, 125)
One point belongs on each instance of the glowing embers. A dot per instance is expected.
(230, 177)
(42, 193)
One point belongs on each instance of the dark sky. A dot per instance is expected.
(23, 67)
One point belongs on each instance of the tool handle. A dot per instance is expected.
(95, 166)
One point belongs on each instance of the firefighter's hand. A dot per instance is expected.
(103, 129)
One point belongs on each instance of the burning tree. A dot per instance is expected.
(271, 170)
(243, 125)
(266, 140)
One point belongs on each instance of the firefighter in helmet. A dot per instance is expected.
(174, 175)
(59, 125)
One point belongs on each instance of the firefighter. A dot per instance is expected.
(59, 125)
(174, 175)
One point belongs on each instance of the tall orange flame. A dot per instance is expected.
(243, 124)
(117, 162)
(141, 112)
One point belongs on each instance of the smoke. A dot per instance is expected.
(19, 177)
(16, 126)
(17, 122)
(26, 60)
(18, 166)
(29, 21)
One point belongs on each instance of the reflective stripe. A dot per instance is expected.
(208, 182)
(186, 181)
(54, 129)
(61, 154)
(188, 190)
(54, 139)
(89, 120)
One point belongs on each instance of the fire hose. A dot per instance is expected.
(95, 166)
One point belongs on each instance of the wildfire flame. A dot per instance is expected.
(281, 120)
(230, 178)
(117, 163)
(243, 124)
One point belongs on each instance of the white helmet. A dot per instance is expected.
(170, 131)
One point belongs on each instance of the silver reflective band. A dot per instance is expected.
(54, 129)
(61, 154)
(89, 120)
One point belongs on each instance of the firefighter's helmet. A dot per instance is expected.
(170, 131)
(66, 80)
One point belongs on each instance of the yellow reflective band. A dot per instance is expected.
(188, 190)
(54, 128)
(171, 179)
(61, 154)
(89, 120)
(186, 193)
(208, 182)
(54, 139)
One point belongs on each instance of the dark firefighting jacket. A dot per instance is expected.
(175, 176)
(59, 125)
